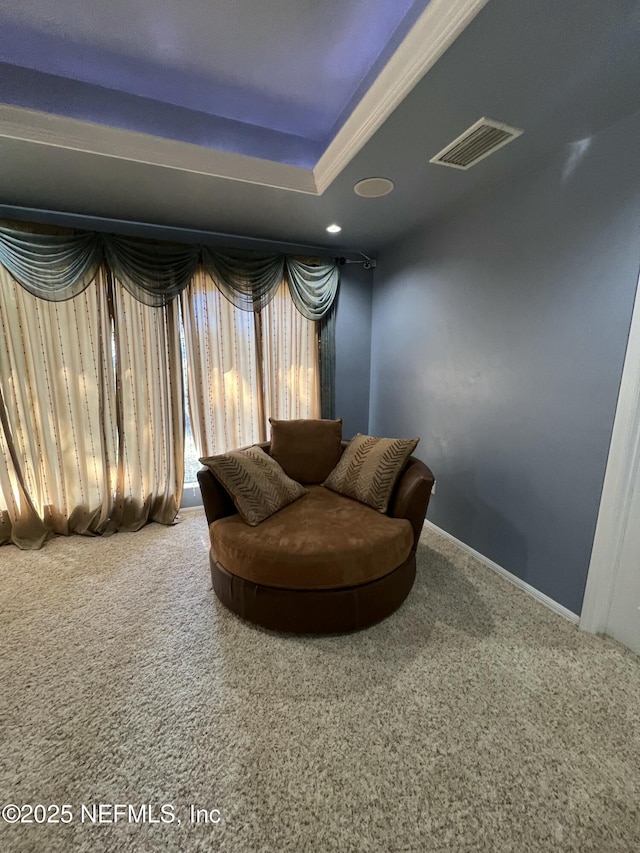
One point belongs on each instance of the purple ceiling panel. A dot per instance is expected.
(22, 87)
(233, 74)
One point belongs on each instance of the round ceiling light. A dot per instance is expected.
(373, 187)
(334, 229)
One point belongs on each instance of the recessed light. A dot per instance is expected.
(334, 229)
(373, 187)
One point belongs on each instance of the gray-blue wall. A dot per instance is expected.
(498, 337)
(353, 348)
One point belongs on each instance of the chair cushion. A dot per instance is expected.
(258, 485)
(322, 541)
(307, 449)
(369, 469)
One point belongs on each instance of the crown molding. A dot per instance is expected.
(434, 31)
(75, 135)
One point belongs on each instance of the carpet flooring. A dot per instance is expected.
(473, 719)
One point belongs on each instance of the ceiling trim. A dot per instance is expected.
(75, 135)
(434, 31)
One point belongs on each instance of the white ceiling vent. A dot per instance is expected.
(481, 139)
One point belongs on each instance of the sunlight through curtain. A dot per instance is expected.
(222, 369)
(92, 404)
(245, 366)
(290, 353)
(150, 412)
(58, 397)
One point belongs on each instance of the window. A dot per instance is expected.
(241, 368)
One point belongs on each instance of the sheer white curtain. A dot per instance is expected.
(223, 371)
(243, 367)
(58, 441)
(92, 398)
(151, 412)
(290, 354)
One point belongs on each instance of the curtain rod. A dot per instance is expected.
(189, 235)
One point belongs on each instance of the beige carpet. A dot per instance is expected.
(473, 719)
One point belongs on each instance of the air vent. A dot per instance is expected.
(481, 139)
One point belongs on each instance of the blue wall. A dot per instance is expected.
(499, 336)
(353, 348)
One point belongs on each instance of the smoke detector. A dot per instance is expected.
(477, 142)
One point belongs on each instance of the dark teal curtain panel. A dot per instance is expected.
(58, 267)
(327, 335)
(249, 280)
(152, 273)
(313, 287)
(51, 267)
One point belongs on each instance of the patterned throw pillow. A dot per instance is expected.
(258, 485)
(369, 469)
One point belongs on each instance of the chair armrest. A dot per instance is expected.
(215, 498)
(411, 495)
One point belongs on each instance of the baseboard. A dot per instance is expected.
(516, 581)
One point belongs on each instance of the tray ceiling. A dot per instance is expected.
(276, 81)
(560, 72)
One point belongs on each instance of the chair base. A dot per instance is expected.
(314, 611)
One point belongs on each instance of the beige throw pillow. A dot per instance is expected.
(369, 469)
(258, 485)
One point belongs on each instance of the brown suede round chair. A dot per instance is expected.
(323, 564)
